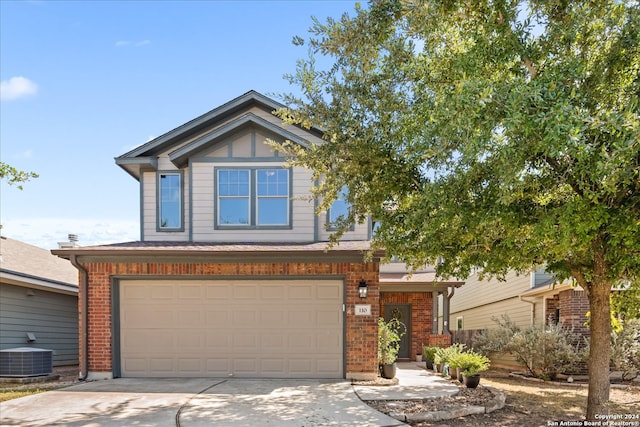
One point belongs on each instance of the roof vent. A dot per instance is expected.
(25, 362)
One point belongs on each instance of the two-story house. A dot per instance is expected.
(232, 275)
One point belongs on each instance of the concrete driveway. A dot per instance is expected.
(195, 402)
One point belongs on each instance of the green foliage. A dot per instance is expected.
(389, 335)
(470, 362)
(501, 135)
(429, 352)
(626, 303)
(444, 354)
(544, 352)
(15, 176)
(625, 354)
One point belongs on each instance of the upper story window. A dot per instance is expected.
(233, 197)
(170, 201)
(339, 209)
(253, 197)
(272, 196)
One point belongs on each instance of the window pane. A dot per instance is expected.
(233, 182)
(170, 201)
(273, 211)
(233, 211)
(339, 207)
(273, 182)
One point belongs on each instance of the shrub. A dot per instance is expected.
(544, 352)
(625, 349)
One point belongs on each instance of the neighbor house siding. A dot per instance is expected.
(50, 316)
(478, 302)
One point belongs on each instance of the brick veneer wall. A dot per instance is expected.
(574, 306)
(420, 315)
(361, 331)
(550, 314)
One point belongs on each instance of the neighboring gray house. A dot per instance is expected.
(38, 301)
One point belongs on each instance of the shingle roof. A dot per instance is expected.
(32, 261)
(194, 248)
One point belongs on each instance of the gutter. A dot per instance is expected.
(84, 286)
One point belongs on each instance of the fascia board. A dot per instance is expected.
(30, 281)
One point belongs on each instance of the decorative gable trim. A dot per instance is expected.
(180, 157)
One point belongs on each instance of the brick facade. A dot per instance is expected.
(551, 315)
(574, 306)
(361, 331)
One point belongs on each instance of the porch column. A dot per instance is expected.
(446, 300)
(434, 312)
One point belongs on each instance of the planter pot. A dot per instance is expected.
(429, 364)
(471, 381)
(437, 367)
(418, 358)
(388, 371)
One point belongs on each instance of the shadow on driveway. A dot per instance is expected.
(195, 402)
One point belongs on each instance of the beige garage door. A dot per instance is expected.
(239, 328)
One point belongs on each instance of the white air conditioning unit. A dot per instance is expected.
(25, 362)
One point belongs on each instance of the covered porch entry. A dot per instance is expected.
(416, 300)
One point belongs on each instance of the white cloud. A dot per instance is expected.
(47, 232)
(17, 87)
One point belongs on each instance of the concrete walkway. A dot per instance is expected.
(414, 383)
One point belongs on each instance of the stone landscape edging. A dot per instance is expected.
(494, 404)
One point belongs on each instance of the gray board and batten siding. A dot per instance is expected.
(52, 318)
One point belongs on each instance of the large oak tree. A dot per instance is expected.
(494, 134)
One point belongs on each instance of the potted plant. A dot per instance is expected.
(443, 356)
(428, 354)
(472, 364)
(456, 362)
(389, 335)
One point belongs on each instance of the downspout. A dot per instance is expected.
(84, 279)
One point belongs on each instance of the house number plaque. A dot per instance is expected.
(363, 310)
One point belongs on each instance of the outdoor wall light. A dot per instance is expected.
(363, 289)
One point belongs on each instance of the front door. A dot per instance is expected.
(402, 312)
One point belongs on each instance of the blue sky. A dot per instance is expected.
(86, 81)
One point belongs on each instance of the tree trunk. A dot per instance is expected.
(600, 349)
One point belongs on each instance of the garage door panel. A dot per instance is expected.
(190, 292)
(245, 292)
(328, 292)
(240, 328)
(218, 317)
(273, 292)
(217, 292)
(301, 292)
(218, 343)
(189, 319)
(163, 292)
(190, 365)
